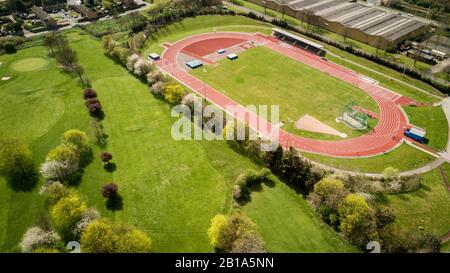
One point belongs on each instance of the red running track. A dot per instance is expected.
(386, 135)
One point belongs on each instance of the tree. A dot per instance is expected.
(55, 192)
(101, 236)
(248, 243)
(87, 217)
(158, 88)
(89, 93)
(58, 170)
(352, 210)
(330, 191)
(390, 173)
(36, 238)
(77, 138)
(106, 157)
(16, 164)
(110, 190)
(64, 152)
(82, 143)
(142, 67)
(296, 170)
(154, 77)
(273, 160)
(66, 56)
(66, 213)
(131, 61)
(328, 186)
(132, 240)
(174, 93)
(98, 237)
(220, 233)
(51, 41)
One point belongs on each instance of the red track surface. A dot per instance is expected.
(386, 136)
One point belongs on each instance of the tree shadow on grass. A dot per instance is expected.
(246, 194)
(23, 182)
(110, 167)
(114, 203)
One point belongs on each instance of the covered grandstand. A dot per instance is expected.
(348, 18)
(299, 42)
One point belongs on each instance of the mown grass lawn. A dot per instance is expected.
(170, 189)
(429, 207)
(433, 119)
(263, 77)
(269, 209)
(403, 158)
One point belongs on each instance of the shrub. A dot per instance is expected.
(109, 190)
(154, 77)
(390, 173)
(191, 100)
(81, 142)
(36, 237)
(173, 93)
(235, 233)
(16, 164)
(132, 240)
(64, 152)
(330, 191)
(248, 243)
(352, 210)
(66, 213)
(219, 233)
(89, 93)
(94, 106)
(46, 250)
(106, 157)
(131, 61)
(57, 170)
(142, 67)
(98, 237)
(55, 192)
(87, 217)
(158, 89)
(101, 236)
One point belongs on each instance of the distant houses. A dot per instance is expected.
(85, 12)
(48, 21)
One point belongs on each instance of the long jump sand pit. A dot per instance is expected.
(309, 123)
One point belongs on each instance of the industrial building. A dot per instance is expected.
(350, 19)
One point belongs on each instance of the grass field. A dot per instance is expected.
(170, 189)
(270, 208)
(434, 121)
(263, 77)
(428, 207)
(404, 158)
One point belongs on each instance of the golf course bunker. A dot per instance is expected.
(29, 64)
(5, 78)
(309, 123)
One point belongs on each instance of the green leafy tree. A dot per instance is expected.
(101, 236)
(81, 142)
(220, 233)
(64, 152)
(174, 93)
(16, 164)
(390, 173)
(66, 213)
(98, 237)
(352, 210)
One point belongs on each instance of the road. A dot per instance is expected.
(28, 34)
